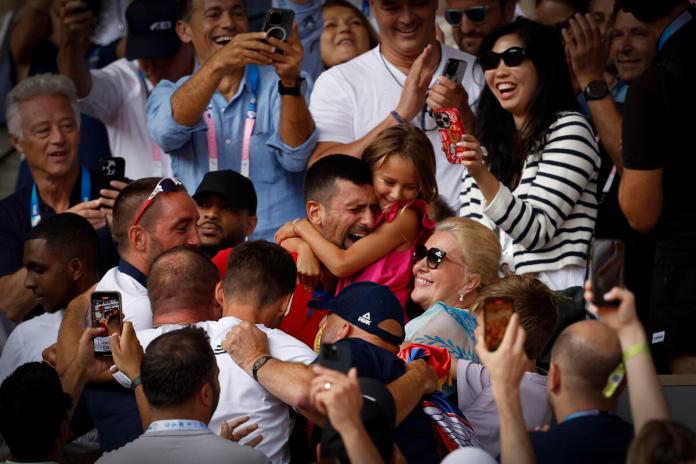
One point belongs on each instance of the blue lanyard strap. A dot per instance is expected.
(366, 8)
(587, 413)
(253, 78)
(85, 195)
(176, 424)
(673, 27)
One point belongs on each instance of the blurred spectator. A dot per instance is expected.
(398, 81)
(558, 12)
(663, 441)
(233, 97)
(535, 305)
(457, 261)
(226, 203)
(61, 262)
(603, 12)
(655, 177)
(346, 33)
(473, 20)
(537, 183)
(116, 94)
(42, 121)
(179, 380)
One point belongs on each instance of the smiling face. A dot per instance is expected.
(444, 283)
(469, 34)
(48, 275)
(513, 86)
(396, 180)
(405, 26)
(50, 135)
(212, 24)
(344, 36)
(633, 46)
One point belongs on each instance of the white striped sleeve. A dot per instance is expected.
(568, 163)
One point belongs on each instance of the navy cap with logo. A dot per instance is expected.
(151, 29)
(232, 186)
(365, 305)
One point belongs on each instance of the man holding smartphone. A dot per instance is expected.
(244, 109)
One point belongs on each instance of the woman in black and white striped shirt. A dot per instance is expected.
(537, 184)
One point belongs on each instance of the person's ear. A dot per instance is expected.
(220, 293)
(206, 395)
(314, 212)
(473, 282)
(75, 269)
(554, 378)
(183, 30)
(16, 143)
(252, 221)
(137, 238)
(345, 331)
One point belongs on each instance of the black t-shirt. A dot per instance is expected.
(603, 438)
(415, 437)
(15, 223)
(659, 130)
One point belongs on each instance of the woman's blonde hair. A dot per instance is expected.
(479, 246)
(412, 144)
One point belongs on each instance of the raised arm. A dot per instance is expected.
(76, 20)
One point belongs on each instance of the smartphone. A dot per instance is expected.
(455, 69)
(278, 23)
(113, 168)
(335, 357)
(606, 269)
(451, 132)
(106, 311)
(496, 314)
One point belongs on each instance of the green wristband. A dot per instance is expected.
(635, 350)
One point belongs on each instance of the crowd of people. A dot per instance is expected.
(298, 267)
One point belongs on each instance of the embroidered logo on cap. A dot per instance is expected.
(161, 26)
(365, 319)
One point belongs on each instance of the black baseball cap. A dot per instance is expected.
(151, 29)
(378, 416)
(366, 304)
(232, 186)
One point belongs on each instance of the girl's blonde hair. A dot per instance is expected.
(479, 246)
(412, 144)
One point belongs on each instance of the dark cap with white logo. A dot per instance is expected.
(151, 29)
(365, 305)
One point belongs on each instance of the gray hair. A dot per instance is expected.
(40, 84)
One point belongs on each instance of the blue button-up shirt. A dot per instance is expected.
(276, 169)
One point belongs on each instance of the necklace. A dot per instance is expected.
(386, 66)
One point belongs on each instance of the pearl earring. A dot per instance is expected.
(461, 297)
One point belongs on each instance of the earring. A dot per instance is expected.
(461, 297)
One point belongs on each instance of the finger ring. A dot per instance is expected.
(327, 386)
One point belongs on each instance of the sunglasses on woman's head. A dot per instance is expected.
(166, 184)
(513, 56)
(433, 256)
(475, 14)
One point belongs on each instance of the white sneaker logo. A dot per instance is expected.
(365, 319)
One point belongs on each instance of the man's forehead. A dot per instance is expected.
(37, 250)
(348, 192)
(202, 5)
(35, 108)
(175, 206)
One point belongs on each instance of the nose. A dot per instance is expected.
(343, 26)
(57, 136)
(466, 25)
(211, 212)
(29, 281)
(367, 219)
(193, 239)
(625, 46)
(406, 15)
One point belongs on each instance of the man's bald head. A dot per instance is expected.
(586, 353)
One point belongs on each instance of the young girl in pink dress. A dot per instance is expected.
(402, 162)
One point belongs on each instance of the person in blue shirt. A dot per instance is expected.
(243, 109)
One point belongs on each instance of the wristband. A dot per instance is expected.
(635, 350)
(398, 117)
(258, 364)
(135, 382)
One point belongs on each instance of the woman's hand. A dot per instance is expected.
(472, 156)
(287, 231)
(308, 268)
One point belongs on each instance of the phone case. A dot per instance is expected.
(606, 269)
(451, 132)
(459, 68)
(278, 23)
(497, 313)
(106, 311)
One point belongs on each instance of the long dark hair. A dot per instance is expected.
(495, 128)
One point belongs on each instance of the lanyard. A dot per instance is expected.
(85, 194)
(253, 79)
(155, 150)
(674, 26)
(589, 412)
(176, 424)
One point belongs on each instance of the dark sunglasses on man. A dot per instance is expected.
(475, 14)
(433, 256)
(166, 185)
(513, 56)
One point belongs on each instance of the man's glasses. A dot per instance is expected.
(167, 184)
(513, 56)
(475, 14)
(433, 256)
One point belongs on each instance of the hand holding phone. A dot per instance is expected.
(106, 311)
(278, 24)
(606, 269)
(451, 132)
(497, 312)
(454, 70)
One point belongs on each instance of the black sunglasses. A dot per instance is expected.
(513, 56)
(475, 14)
(433, 256)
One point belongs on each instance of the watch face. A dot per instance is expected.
(596, 90)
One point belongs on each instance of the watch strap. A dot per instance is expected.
(297, 90)
(596, 90)
(135, 382)
(258, 364)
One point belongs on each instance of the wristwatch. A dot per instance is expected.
(298, 90)
(258, 364)
(596, 90)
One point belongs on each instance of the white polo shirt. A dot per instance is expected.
(350, 99)
(240, 394)
(28, 340)
(132, 285)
